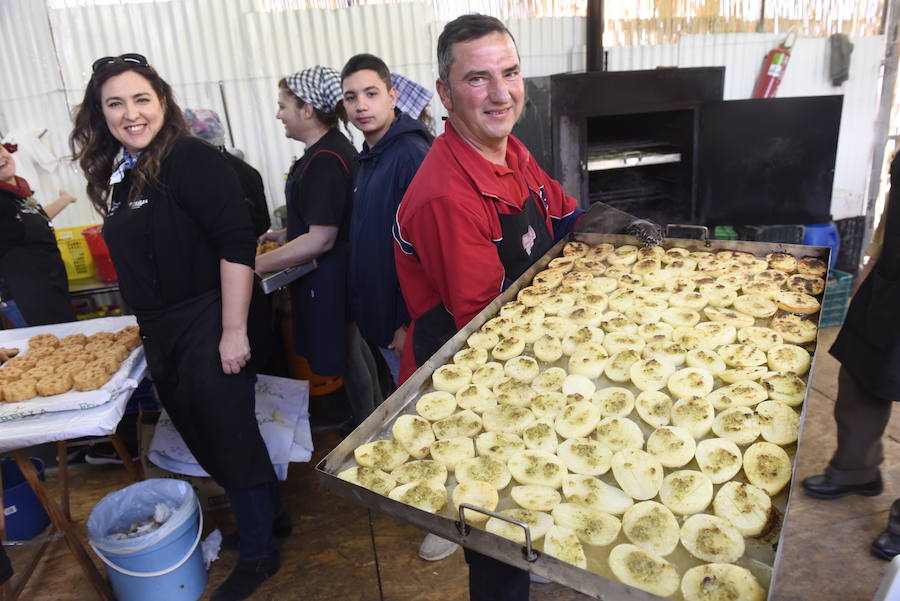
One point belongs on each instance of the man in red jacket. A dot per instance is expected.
(477, 215)
(480, 210)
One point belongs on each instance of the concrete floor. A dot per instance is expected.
(330, 556)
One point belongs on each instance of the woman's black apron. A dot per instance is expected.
(33, 272)
(526, 238)
(319, 307)
(214, 412)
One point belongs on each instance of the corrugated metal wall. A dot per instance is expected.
(196, 44)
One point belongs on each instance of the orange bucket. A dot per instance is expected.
(299, 367)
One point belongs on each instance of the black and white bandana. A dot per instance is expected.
(319, 86)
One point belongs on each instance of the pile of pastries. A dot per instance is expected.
(55, 366)
(267, 246)
(634, 399)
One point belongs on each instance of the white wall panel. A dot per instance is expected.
(550, 45)
(196, 44)
(637, 58)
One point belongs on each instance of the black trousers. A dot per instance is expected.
(861, 419)
(492, 580)
(254, 510)
(6, 570)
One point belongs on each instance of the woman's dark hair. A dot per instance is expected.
(426, 119)
(95, 148)
(328, 119)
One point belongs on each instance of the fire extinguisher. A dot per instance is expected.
(773, 68)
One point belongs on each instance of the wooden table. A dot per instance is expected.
(59, 427)
(61, 518)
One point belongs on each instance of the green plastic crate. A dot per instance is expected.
(724, 232)
(836, 299)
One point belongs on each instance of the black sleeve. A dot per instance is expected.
(254, 193)
(324, 191)
(207, 187)
(259, 209)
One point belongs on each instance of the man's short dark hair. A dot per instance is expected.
(362, 62)
(464, 29)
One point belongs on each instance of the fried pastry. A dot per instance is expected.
(812, 266)
(53, 361)
(130, 336)
(107, 362)
(41, 352)
(79, 339)
(43, 340)
(20, 390)
(23, 362)
(11, 374)
(55, 384)
(105, 337)
(40, 372)
(91, 378)
(808, 284)
(782, 262)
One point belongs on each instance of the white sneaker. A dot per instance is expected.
(435, 548)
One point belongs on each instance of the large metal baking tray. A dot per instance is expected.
(762, 556)
(271, 282)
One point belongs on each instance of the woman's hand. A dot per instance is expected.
(234, 350)
(399, 340)
(62, 201)
(279, 236)
(66, 197)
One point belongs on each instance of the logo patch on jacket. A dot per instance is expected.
(528, 239)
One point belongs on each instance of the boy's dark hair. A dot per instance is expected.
(464, 29)
(361, 62)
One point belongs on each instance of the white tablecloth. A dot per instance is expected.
(282, 412)
(103, 410)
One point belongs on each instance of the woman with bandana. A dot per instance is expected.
(181, 238)
(319, 195)
(31, 269)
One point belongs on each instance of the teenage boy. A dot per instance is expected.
(395, 144)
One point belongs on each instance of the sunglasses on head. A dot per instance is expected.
(133, 58)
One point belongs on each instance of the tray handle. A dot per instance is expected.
(530, 554)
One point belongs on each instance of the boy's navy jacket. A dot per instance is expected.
(384, 173)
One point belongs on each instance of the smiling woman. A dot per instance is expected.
(134, 114)
(181, 237)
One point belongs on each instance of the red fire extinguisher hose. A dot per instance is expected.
(774, 65)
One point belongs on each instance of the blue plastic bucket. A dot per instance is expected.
(169, 569)
(25, 516)
(823, 234)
